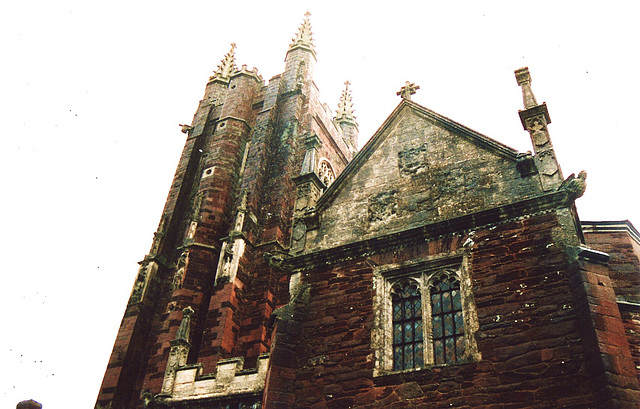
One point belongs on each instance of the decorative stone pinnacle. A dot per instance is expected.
(524, 80)
(183, 329)
(227, 65)
(345, 106)
(408, 90)
(303, 38)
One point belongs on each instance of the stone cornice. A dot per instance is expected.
(535, 111)
(621, 226)
(483, 218)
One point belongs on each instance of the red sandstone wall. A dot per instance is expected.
(531, 356)
(624, 271)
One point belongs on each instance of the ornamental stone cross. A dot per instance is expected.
(408, 90)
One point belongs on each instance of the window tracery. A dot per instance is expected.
(425, 316)
(326, 173)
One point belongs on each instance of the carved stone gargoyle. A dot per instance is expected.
(575, 186)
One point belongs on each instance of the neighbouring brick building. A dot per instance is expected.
(434, 268)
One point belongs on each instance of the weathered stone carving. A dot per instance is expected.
(178, 277)
(383, 206)
(412, 161)
(538, 130)
(230, 253)
(306, 196)
(180, 347)
(547, 164)
(526, 165)
(140, 285)
(298, 236)
(148, 401)
(575, 186)
(276, 260)
(191, 233)
(138, 288)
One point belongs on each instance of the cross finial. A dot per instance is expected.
(408, 90)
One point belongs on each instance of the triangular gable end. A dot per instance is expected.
(377, 138)
(419, 167)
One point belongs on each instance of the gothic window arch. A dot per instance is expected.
(448, 341)
(425, 315)
(408, 332)
(325, 172)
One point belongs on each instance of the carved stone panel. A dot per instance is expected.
(298, 235)
(383, 206)
(538, 130)
(178, 277)
(412, 161)
(145, 275)
(547, 164)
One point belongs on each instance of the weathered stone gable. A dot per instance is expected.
(418, 170)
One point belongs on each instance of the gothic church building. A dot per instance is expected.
(435, 267)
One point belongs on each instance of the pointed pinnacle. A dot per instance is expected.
(345, 106)
(227, 65)
(304, 36)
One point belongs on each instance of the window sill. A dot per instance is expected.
(382, 378)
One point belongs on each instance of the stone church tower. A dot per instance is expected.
(436, 267)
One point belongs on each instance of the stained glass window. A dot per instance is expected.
(408, 348)
(447, 322)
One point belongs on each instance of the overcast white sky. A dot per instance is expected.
(91, 95)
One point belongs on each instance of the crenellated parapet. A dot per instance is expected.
(230, 379)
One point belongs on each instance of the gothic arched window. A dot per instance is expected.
(426, 316)
(408, 346)
(447, 322)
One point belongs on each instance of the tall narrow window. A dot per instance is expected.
(447, 320)
(408, 348)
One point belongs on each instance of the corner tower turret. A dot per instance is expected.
(300, 59)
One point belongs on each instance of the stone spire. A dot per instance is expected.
(535, 118)
(345, 106)
(227, 66)
(303, 39)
